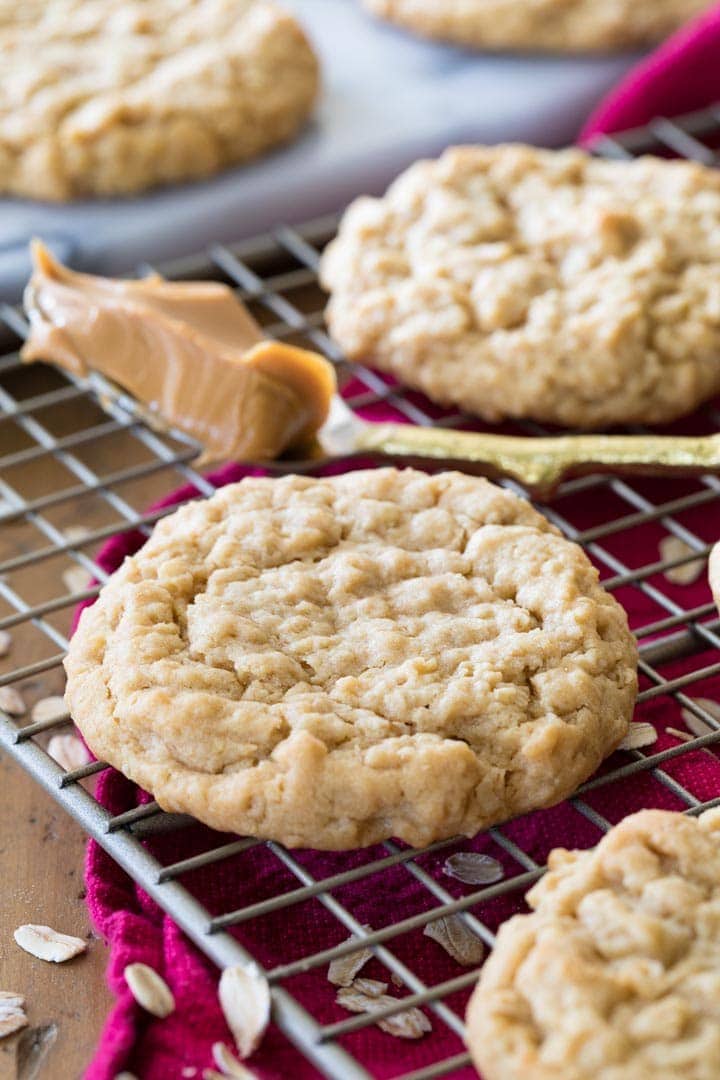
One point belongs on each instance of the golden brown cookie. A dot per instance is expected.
(616, 973)
(516, 282)
(531, 25)
(109, 97)
(330, 662)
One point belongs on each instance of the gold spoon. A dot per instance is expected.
(539, 463)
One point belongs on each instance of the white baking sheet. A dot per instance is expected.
(388, 99)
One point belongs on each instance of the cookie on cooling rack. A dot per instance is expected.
(516, 282)
(108, 97)
(616, 973)
(541, 24)
(331, 662)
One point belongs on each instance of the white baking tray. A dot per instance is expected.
(388, 99)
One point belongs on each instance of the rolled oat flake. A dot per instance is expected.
(472, 868)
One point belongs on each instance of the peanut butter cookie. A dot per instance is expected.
(331, 662)
(546, 284)
(108, 97)
(616, 973)
(541, 24)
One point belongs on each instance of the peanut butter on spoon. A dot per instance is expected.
(189, 351)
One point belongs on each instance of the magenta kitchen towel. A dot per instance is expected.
(681, 76)
(137, 930)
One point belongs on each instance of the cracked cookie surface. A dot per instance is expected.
(516, 282)
(616, 974)
(331, 662)
(541, 24)
(109, 97)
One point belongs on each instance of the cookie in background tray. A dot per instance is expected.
(109, 97)
(616, 973)
(517, 282)
(531, 25)
(330, 662)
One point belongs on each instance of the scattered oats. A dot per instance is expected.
(12, 1019)
(10, 1000)
(49, 708)
(149, 990)
(11, 701)
(672, 547)
(342, 971)
(683, 736)
(125, 1076)
(74, 533)
(75, 579)
(188, 1071)
(640, 734)
(694, 723)
(212, 1074)
(228, 1064)
(352, 999)
(5, 643)
(48, 944)
(396, 980)
(370, 987)
(244, 995)
(12, 1013)
(410, 1024)
(68, 751)
(473, 868)
(457, 939)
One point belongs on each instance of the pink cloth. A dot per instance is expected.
(684, 74)
(137, 930)
(681, 76)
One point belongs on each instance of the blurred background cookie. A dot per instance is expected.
(541, 24)
(109, 97)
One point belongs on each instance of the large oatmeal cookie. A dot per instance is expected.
(541, 24)
(107, 97)
(616, 974)
(533, 283)
(330, 662)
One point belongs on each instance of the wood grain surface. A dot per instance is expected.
(41, 848)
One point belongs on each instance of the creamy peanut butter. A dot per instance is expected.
(189, 351)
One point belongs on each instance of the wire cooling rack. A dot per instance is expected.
(77, 466)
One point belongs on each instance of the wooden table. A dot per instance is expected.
(42, 854)
(42, 849)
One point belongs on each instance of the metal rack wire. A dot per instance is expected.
(60, 441)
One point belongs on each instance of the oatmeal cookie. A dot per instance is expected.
(616, 974)
(331, 662)
(541, 24)
(108, 97)
(519, 282)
